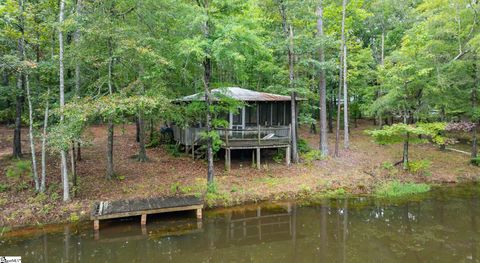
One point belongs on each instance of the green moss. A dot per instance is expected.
(398, 189)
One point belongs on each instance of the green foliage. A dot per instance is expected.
(74, 218)
(436, 131)
(154, 140)
(3, 188)
(475, 161)
(419, 167)
(388, 165)
(19, 169)
(279, 156)
(173, 150)
(303, 146)
(312, 155)
(398, 189)
(397, 133)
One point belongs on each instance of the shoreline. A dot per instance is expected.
(302, 198)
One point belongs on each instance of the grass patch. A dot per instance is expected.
(398, 189)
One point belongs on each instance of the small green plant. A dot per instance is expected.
(21, 186)
(3, 201)
(3, 188)
(303, 146)
(387, 165)
(475, 161)
(74, 218)
(155, 140)
(311, 156)
(175, 187)
(279, 156)
(419, 167)
(397, 189)
(54, 196)
(173, 150)
(19, 169)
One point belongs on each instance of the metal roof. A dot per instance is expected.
(238, 94)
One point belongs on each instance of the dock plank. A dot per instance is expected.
(132, 207)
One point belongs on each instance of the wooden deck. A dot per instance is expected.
(143, 207)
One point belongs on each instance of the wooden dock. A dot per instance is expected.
(143, 207)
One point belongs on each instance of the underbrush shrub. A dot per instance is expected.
(388, 165)
(19, 174)
(311, 156)
(279, 156)
(19, 169)
(3, 188)
(420, 167)
(475, 161)
(398, 189)
(303, 146)
(155, 140)
(173, 150)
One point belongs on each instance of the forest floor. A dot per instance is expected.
(358, 170)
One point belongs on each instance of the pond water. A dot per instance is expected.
(442, 226)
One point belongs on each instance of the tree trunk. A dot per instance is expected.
(293, 97)
(17, 133)
(63, 154)
(287, 30)
(474, 108)
(73, 162)
(110, 131)
(331, 105)
(322, 87)
(346, 140)
(405, 151)
(76, 39)
(207, 71)
(137, 129)
(142, 153)
(44, 146)
(339, 95)
(30, 134)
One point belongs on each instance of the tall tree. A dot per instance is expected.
(322, 84)
(17, 132)
(346, 135)
(63, 154)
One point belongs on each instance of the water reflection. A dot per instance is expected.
(440, 228)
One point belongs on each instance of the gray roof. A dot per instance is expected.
(238, 94)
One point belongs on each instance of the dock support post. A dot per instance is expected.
(287, 156)
(199, 213)
(193, 151)
(96, 225)
(228, 159)
(144, 219)
(258, 158)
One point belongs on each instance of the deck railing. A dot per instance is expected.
(248, 137)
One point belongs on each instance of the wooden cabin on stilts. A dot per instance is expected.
(263, 122)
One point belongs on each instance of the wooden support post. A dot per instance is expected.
(144, 229)
(199, 213)
(144, 219)
(228, 159)
(287, 156)
(193, 152)
(96, 225)
(258, 157)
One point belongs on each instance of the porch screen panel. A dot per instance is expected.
(264, 114)
(275, 116)
(251, 115)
